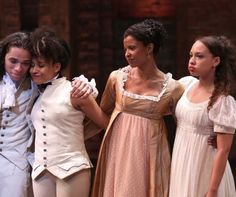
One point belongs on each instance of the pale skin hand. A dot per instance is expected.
(224, 142)
(80, 89)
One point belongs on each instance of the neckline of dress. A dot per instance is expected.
(190, 102)
(144, 97)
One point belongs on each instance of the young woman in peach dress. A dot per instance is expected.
(134, 158)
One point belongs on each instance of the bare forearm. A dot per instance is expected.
(224, 142)
(90, 107)
(97, 116)
(218, 170)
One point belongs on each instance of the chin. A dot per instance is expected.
(37, 82)
(193, 74)
(16, 78)
(132, 65)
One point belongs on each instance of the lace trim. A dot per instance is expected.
(143, 97)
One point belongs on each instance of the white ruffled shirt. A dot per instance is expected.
(7, 91)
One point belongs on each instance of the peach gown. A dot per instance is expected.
(134, 158)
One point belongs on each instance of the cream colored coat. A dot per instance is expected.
(59, 143)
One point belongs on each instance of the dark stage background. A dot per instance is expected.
(94, 30)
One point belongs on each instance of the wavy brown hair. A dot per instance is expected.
(17, 39)
(225, 73)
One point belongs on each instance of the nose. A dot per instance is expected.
(33, 69)
(18, 67)
(127, 53)
(192, 60)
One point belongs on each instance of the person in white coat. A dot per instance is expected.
(17, 96)
(62, 166)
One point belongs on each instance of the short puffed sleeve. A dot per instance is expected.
(186, 81)
(223, 115)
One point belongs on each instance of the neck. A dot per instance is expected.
(55, 77)
(148, 71)
(207, 84)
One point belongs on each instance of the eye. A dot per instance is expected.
(41, 65)
(13, 61)
(26, 64)
(199, 56)
(132, 47)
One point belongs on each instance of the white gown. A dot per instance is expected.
(192, 158)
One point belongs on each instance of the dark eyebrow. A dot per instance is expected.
(14, 58)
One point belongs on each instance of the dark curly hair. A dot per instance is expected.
(17, 39)
(148, 31)
(48, 45)
(225, 73)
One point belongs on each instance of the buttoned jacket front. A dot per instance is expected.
(17, 132)
(59, 142)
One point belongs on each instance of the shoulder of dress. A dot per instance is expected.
(187, 81)
(117, 75)
(172, 83)
(223, 111)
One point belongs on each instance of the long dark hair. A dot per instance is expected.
(17, 39)
(225, 73)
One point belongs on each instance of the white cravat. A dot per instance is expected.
(8, 90)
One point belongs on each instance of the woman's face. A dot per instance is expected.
(43, 71)
(136, 53)
(202, 62)
(17, 63)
